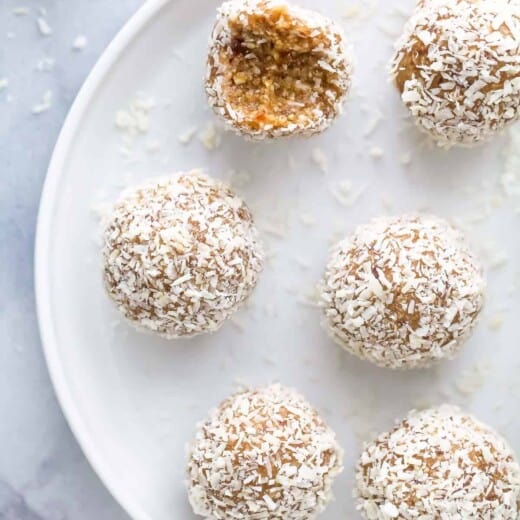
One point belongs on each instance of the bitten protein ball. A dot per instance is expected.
(275, 69)
(181, 253)
(402, 292)
(264, 454)
(457, 67)
(438, 464)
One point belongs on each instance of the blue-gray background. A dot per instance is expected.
(43, 474)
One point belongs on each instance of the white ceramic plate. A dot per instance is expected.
(133, 400)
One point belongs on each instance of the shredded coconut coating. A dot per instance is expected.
(423, 3)
(263, 454)
(438, 464)
(457, 67)
(181, 253)
(402, 292)
(276, 70)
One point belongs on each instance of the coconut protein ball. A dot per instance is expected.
(438, 464)
(275, 69)
(263, 454)
(457, 68)
(402, 292)
(181, 254)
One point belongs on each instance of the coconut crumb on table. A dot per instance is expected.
(44, 27)
(496, 321)
(307, 218)
(44, 105)
(353, 11)
(319, 158)
(45, 64)
(101, 210)
(309, 297)
(360, 11)
(345, 193)
(209, 136)
(80, 42)
(405, 158)
(275, 229)
(473, 379)
(134, 120)
(373, 123)
(20, 11)
(376, 152)
(186, 136)
(495, 201)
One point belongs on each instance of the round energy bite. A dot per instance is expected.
(181, 253)
(264, 454)
(457, 67)
(402, 292)
(275, 69)
(438, 463)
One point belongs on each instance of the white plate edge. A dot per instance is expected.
(95, 78)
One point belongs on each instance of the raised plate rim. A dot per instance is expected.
(126, 35)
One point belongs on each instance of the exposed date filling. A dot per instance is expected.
(277, 71)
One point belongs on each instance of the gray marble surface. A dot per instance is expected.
(43, 474)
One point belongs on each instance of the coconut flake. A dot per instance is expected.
(44, 105)
(79, 43)
(43, 26)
